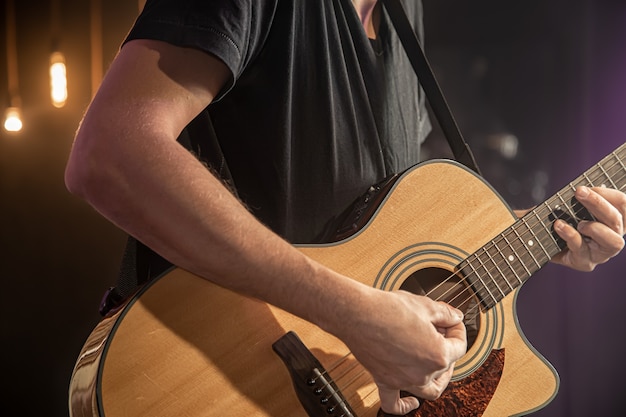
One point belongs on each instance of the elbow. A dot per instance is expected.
(84, 174)
(75, 176)
(79, 172)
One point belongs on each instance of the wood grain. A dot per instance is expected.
(186, 347)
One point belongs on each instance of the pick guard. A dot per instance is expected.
(468, 397)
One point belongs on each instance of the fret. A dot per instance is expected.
(488, 249)
(570, 194)
(619, 160)
(528, 245)
(577, 182)
(617, 171)
(549, 212)
(559, 207)
(606, 181)
(608, 177)
(508, 258)
(535, 240)
(557, 242)
(579, 212)
(514, 256)
(545, 229)
(474, 278)
(566, 204)
(572, 187)
(551, 217)
(596, 177)
(488, 273)
(486, 278)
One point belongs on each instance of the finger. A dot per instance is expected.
(603, 242)
(617, 199)
(392, 403)
(570, 235)
(449, 322)
(600, 237)
(456, 341)
(584, 253)
(445, 315)
(434, 390)
(575, 246)
(606, 205)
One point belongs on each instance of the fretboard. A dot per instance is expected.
(509, 259)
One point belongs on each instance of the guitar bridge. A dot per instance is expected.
(316, 391)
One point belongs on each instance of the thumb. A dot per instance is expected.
(446, 316)
(392, 403)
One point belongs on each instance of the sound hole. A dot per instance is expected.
(440, 284)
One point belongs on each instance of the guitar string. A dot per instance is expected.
(346, 384)
(493, 243)
(533, 214)
(363, 371)
(570, 187)
(489, 272)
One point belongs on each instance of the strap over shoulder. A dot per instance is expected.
(427, 80)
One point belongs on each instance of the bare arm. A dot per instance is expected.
(126, 163)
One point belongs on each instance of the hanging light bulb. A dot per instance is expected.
(13, 119)
(12, 116)
(58, 80)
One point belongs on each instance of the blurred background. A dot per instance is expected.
(537, 87)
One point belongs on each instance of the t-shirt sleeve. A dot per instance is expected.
(232, 30)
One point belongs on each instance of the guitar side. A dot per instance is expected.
(184, 346)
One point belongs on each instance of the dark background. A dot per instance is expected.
(550, 73)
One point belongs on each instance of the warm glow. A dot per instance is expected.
(58, 80)
(12, 120)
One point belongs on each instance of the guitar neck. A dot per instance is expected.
(508, 260)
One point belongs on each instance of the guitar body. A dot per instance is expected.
(186, 347)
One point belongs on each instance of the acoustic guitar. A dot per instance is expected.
(182, 346)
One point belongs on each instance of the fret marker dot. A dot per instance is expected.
(530, 243)
(511, 258)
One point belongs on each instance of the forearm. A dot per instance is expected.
(192, 220)
(127, 164)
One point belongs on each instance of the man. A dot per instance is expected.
(310, 102)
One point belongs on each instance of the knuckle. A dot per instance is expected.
(438, 393)
(434, 395)
(441, 362)
(621, 207)
(431, 393)
(617, 226)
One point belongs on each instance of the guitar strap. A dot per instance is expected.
(140, 264)
(415, 53)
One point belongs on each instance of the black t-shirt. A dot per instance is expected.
(315, 111)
